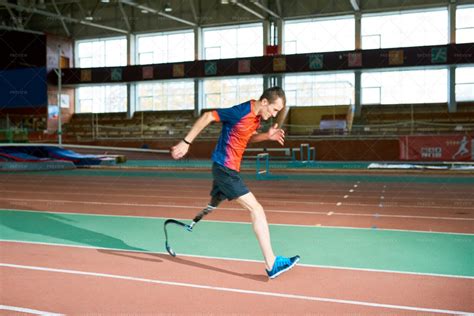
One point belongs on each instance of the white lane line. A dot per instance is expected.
(266, 211)
(24, 202)
(105, 191)
(157, 193)
(243, 260)
(235, 290)
(27, 310)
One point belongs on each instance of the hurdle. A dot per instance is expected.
(262, 173)
(310, 153)
(286, 152)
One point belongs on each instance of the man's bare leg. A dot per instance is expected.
(260, 226)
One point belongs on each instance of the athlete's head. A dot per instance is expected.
(273, 100)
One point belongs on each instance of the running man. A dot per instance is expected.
(462, 150)
(240, 124)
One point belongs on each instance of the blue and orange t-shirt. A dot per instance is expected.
(239, 123)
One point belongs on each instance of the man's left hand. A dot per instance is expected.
(276, 134)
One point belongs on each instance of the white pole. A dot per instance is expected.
(59, 73)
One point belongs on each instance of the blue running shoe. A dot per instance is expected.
(281, 265)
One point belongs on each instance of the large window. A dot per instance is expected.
(165, 47)
(405, 86)
(321, 89)
(465, 83)
(405, 29)
(101, 52)
(465, 24)
(233, 42)
(319, 35)
(165, 95)
(101, 99)
(223, 93)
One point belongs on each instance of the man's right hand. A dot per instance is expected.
(179, 150)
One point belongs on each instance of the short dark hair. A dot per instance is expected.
(272, 94)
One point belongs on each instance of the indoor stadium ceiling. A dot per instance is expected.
(92, 18)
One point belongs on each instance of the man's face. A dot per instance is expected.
(271, 109)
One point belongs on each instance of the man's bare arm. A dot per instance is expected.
(179, 150)
(274, 133)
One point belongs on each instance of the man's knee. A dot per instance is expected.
(216, 200)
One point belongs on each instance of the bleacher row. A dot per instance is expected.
(374, 120)
(170, 124)
(409, 119)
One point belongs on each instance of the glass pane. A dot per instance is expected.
(290, 47)
(180, 47)
(370, 95)
(465, 75)
(85, 106)
(290, 97)
(116, 98)
(145, 58)
(145, 44)
(213, 52)
(145, 103)
(243, 41)
(408, 86)
(322, 89)
(223, 93)
(371, 41)
(465, 35)
(323, 35)
(98, 58)
(114, 52)
(173, 95)
(102, 53)
(84, 49)
(85, 62)
(228, 43)
(166, 47)
(464, 17)
(212, 101)
(464, 83)
(405, 29)
(465, 92)
(249, 41)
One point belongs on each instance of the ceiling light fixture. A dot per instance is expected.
(89, 16)
(167, 8)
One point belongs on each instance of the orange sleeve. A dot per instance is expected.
(216, 116)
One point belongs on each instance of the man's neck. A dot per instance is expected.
(256, 107)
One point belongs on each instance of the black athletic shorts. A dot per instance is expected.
(227, 183)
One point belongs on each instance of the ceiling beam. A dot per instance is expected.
(161, 13)
(193, 10)
(8, 28)
(264, 8)
(355, 5)
(243, 6)
(125, 17)
(14, 18)
(62, 21)
(278, 6)
(59, 17)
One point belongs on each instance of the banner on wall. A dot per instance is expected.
(437, 148)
